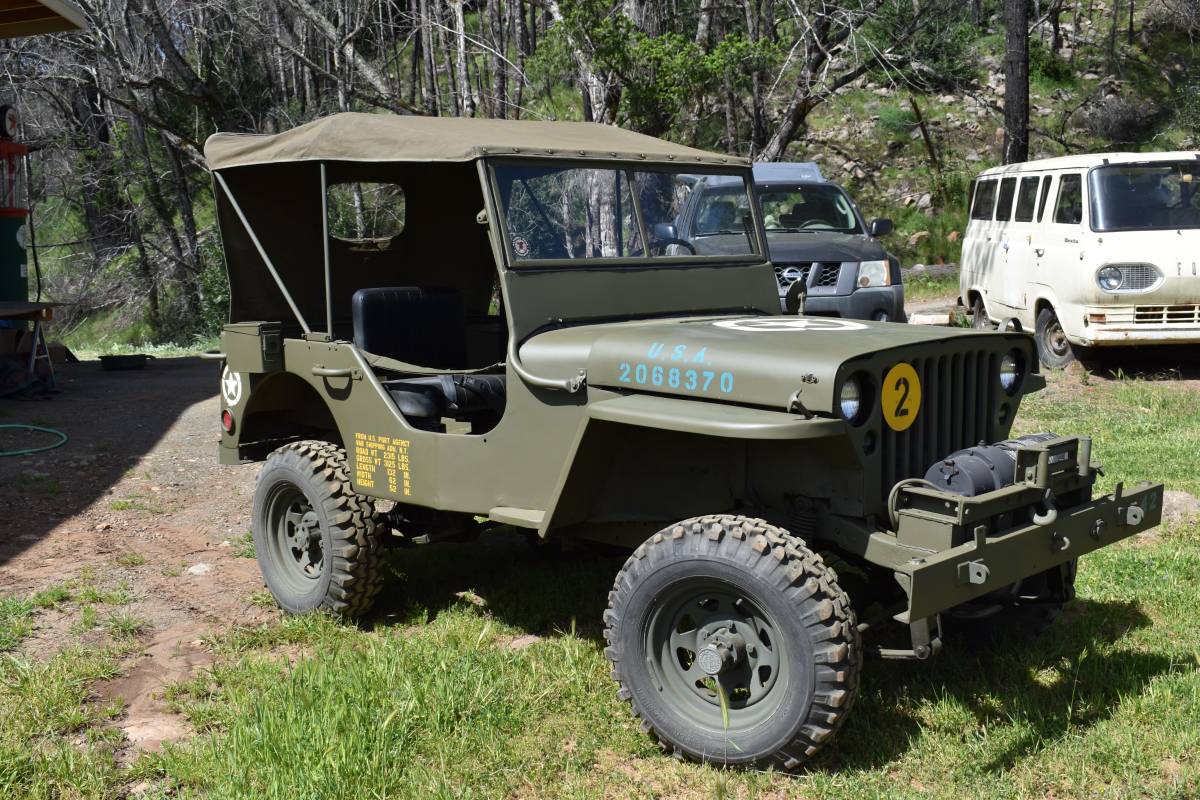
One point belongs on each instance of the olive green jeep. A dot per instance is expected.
(441, 325)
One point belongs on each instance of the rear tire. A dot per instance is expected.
(979, 317)
(317, 541)
(1053, 348)
(735, 606)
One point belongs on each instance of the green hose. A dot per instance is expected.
(62, 439)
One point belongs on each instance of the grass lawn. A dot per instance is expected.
(446, 694)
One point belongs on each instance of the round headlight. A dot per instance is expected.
(1011, 367)
(850, 399)
(1109, 278)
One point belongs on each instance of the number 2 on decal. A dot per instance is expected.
(904, 388)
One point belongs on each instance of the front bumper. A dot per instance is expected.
(1045, 538)
(1139, 325)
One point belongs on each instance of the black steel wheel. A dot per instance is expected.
(317, 541)
(1053, 348)
(733, 642)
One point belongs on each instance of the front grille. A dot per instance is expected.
(959, 393)
(828, 274)
(1167, 315)
(1137, 277)
(787, 274)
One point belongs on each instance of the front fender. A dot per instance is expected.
(712, 419)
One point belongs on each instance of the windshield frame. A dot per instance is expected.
(858, 218)
(1091, 197)
(629, 167)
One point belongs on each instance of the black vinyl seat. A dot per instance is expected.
(426, 327)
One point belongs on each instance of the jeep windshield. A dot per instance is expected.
(806, 207)
(567, 215)
(1144, 197)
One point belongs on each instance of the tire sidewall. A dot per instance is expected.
(1045, 319)
(766, 737)
(979, 317)
(276, 473)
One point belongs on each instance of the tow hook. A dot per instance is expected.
(1051, 513)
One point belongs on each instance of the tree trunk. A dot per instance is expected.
(467, 98)
(1016, 81)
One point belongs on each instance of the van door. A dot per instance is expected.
(1019, 243)
(1064, 237)
(977, 244)
(1001, 255)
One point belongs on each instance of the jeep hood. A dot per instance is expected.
(791, 247)
(760, 361)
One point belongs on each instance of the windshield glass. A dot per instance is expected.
(1158, 196)
(589, 213)
(807, 207)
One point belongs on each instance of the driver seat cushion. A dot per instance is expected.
(418, 325)
(437, 396)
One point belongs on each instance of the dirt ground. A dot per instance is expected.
(136, 495)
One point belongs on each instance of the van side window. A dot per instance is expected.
(1068, 210)
(985, 200)
(1008, 187)
(1045, 196)
(1026, 199)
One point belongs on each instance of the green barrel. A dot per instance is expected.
(14, 272)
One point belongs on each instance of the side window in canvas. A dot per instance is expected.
(985, 200)
(1068, 209)
(1008, 187)
(365, 213)
(1026, 199)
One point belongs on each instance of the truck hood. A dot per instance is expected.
(791, 247)
(760, 361)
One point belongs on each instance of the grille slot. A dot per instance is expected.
(957, 410)
(827, 274)
(1167, 315)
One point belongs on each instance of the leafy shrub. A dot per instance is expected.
(1120, 120)
(1047, 64)
(939, 55)
(897, 121)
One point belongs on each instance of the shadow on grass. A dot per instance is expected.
(535, 589)
(1070, 678)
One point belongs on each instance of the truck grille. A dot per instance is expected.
(959, 394)
(1137, 277)
(1167, 315)
(828, 274)
(787, 274)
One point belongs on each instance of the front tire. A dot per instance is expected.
(316, 539)
(733, 642)
(979, 317)
(1053, 348)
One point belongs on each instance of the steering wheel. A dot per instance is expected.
(665, 243)
(818, 224)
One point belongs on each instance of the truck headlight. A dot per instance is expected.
(850, 399)
(1110, 278)
(1011, 367)
(873, 273)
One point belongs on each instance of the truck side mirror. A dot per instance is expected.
(664, 232)
(881, 226)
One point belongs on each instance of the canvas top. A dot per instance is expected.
(387, 137)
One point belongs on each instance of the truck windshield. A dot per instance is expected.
(1159, 196)
(554, 213)
(806, 207)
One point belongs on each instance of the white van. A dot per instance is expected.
(1087, 251)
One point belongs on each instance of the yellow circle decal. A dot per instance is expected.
(901, 397)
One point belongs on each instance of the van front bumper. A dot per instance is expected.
(1114, 326)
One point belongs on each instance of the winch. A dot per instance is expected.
(985, 468)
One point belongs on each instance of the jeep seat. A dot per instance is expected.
(424, 401)
(416, 325)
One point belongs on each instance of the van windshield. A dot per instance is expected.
(1135, 197)
(587, 213)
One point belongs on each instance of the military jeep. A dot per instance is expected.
(441, 325)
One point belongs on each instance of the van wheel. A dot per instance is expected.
(979, 317)
(733, 642)
(317, 541)
(1053, 348)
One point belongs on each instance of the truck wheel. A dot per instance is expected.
(979, 317)
(316, 539)
(1053, 348)
(733, 642)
